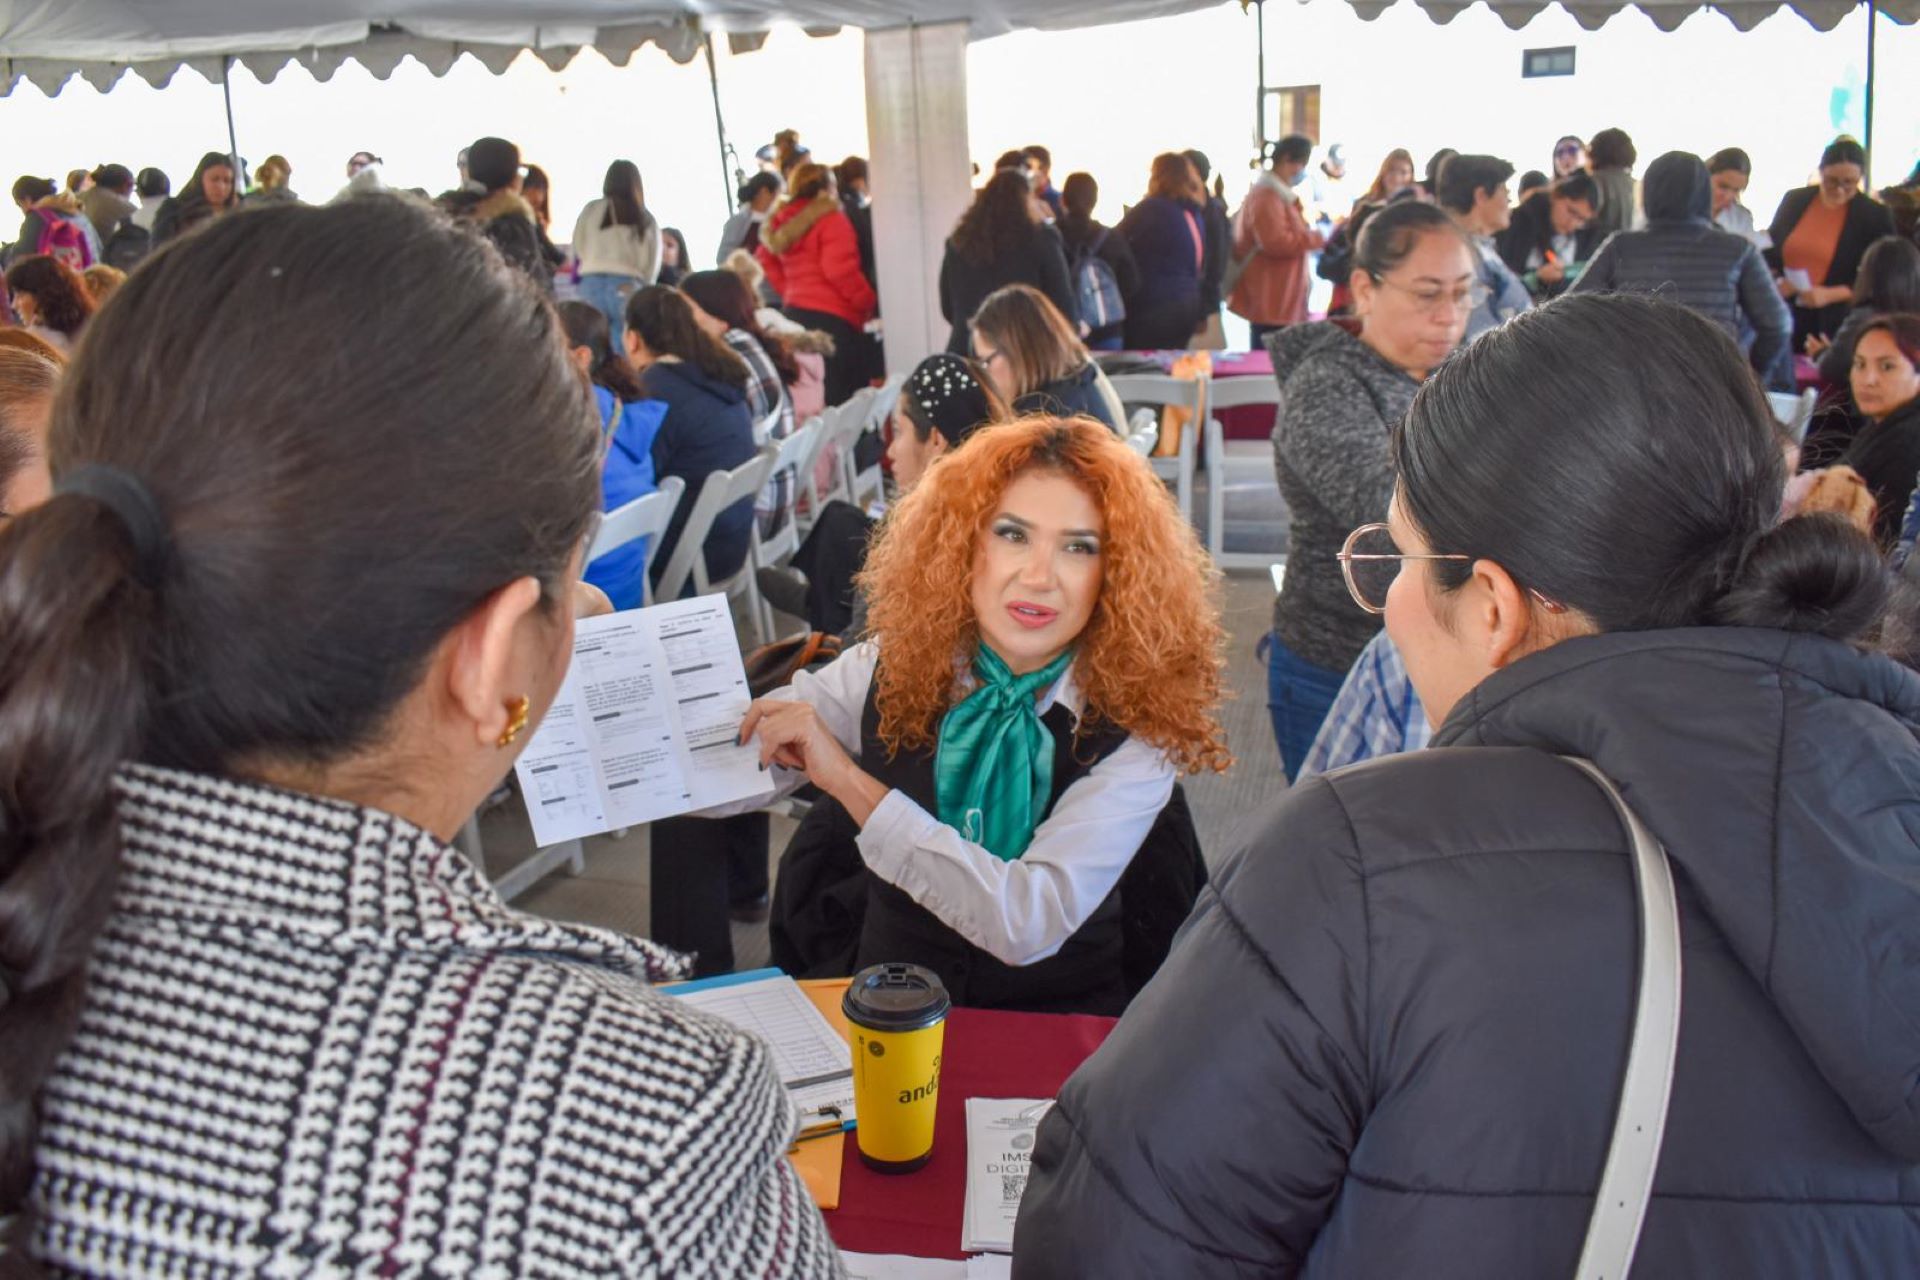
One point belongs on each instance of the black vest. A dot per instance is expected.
(832, 917)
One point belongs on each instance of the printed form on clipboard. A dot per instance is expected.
(644, 724)
(814, 1061)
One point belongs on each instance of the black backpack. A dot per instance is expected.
(130, 243)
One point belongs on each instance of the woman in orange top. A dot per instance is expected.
(1824, 230)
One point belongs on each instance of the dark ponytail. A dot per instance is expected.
(313, 540)
(75, 703)
(1814, 573)
(587, 327)
(663, 319)
(1640, 484)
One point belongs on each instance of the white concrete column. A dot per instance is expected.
(922, 175)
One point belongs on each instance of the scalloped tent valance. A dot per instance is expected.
(47, 42)
(1745, 15)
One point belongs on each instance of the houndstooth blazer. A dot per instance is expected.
(316, 1043)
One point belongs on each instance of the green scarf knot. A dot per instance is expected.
(993, 767)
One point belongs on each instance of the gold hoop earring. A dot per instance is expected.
(517, 710)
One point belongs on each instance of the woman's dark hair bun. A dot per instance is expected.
(1814, 573)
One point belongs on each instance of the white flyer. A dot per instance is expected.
(644, 724)
(1000, 1134)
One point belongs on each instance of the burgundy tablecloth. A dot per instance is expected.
(986, 1055)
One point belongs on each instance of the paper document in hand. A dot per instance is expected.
(1000, 1134)
(1798, 278)
(813, 1060)
(644, 724)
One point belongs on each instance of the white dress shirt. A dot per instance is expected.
(1021, 911)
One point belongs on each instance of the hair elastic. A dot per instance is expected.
(124, 494)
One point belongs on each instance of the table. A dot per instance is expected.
(987, 1054)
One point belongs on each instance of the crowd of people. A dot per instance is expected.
(262, 1018)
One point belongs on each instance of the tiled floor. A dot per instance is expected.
(613, 890)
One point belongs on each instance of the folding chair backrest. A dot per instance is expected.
(720, 490)
(641, 518)
(763, 427)
(1161, 389)
(856, 420)
(1144, 431)
(645, 517)
(1794, 412)
(791, 452)
(884, 401)
(1233, 393)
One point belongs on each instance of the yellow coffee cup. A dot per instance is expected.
(898, 1015)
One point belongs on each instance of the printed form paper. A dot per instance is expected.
(644, 724)
(813, 1060)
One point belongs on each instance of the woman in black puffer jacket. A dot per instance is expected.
(1390, 1040)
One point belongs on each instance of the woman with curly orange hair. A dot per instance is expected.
(999, 762)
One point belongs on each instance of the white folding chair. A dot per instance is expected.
(853, 423)
(767, 553)
(721, 490)
(763, 427)
(1144, 431)
(809, 495)
(1161, 391)
(646, 517)
(1236, 463)
(1793, 412)
(869, 483)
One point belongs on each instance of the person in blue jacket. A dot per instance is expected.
(708, 426)
(628, 423)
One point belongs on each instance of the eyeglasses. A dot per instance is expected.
(1464, 300)
(1370, 561)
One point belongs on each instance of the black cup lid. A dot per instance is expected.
(896, 997)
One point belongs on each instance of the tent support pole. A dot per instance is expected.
(233, 139)
(720, 128)
(1867, 142)
(1260, 101)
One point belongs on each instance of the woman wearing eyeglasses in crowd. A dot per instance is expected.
(1391, 1038)
(259, 1016)
(1569, 157)
(1414, 287)
(1821, 232)
(1034, 360)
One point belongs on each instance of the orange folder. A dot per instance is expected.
(818, 1159)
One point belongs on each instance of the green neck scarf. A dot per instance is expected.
(993, 768)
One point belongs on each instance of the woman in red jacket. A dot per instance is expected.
(812, 259)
